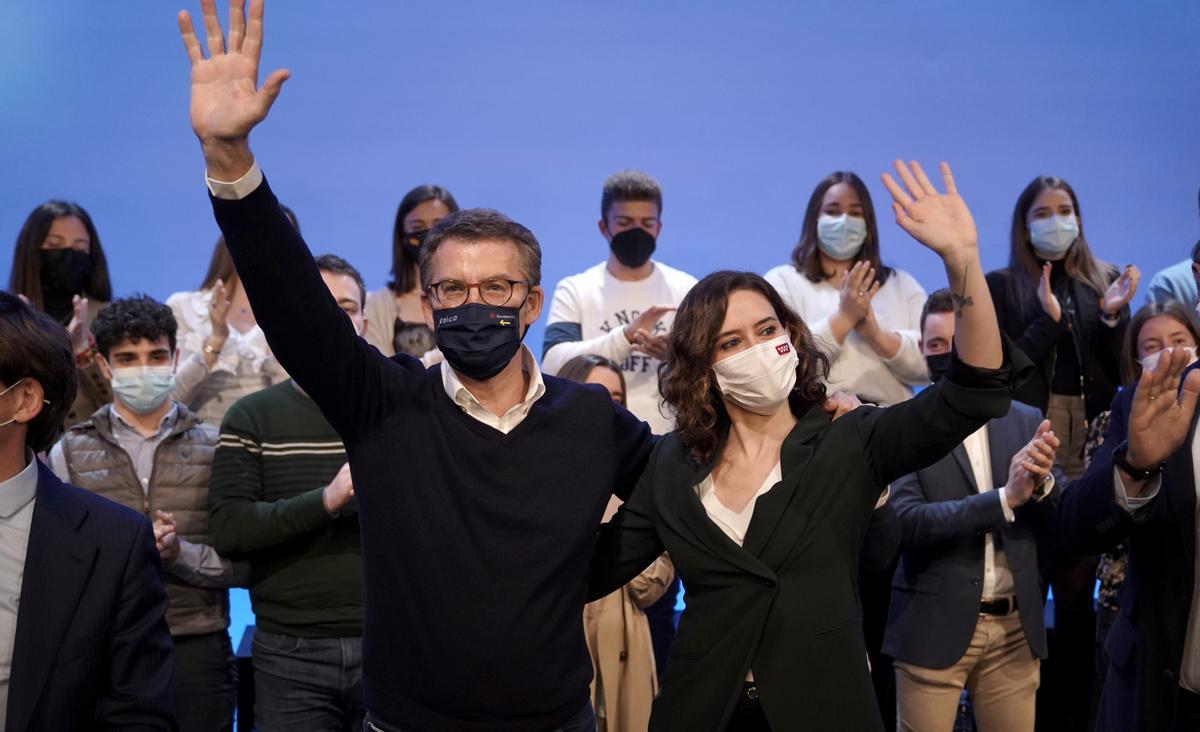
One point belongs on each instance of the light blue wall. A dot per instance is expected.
(737, 108)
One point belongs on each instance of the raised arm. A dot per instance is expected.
(943, 223)
(308, 333)
(913, 434)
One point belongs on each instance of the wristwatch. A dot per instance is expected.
(1138, 474)
(209, 349)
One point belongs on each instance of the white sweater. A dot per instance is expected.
(855, 367)
(588, 315)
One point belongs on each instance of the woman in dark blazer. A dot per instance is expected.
(1068, 311)
(762, 501)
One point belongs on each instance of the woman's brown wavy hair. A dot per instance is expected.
(686, 379)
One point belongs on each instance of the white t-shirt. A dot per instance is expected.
(855, 368)
(588, 316)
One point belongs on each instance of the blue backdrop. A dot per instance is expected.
(737, 108)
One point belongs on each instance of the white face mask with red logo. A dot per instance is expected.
(759, 378)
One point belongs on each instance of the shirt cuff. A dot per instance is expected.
(239, 188)
(1043, 491)
(1112, 321)
(1009, 516)
(1133, 506)
(883, 498)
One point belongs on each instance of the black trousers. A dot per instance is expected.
(205, 683)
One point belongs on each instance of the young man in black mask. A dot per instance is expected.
(966, 607)
(622, 309)
(479, 483)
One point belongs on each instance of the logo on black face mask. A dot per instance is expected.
(447, 319)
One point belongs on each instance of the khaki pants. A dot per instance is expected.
(998, 669)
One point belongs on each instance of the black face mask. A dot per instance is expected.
(478, 340)
(416, 236)
(633, 247)
(65, 272)
(938, 366)
(411, 251)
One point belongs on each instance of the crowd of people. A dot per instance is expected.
(866, 489)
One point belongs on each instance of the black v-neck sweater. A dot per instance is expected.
(476, 545)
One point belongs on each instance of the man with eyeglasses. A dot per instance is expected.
(479, 483)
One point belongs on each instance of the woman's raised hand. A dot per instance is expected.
(1162, 410)
(226, 100)
(940, 221)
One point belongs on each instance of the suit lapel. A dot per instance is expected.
(57, 564)
(794, 455)
(691, 512)
(960, 457)
(1003, 443)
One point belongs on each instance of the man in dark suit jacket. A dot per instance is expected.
(86, 644)
(1140, 489)
(966, 606)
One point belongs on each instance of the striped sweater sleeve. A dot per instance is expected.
(239, 519)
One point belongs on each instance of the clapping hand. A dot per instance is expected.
(1046, 296)
(340, 490)
(1121, 291)
(640, 333)
(218, 311)
(940, 221)
(165, 538)
(79, 328)
(1030, 466)
(858, 288)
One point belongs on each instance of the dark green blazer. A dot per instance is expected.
(785, 604)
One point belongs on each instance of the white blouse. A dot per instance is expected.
(855, 367)
(244, 365)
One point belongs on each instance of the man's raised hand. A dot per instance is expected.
(226, 100)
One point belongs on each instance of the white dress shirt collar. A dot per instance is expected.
(20, 489)
(508, 421)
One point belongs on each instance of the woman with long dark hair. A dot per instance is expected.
(60, 268)
(761, 501)
(1068, 311)
(394, 320)
(865, 314)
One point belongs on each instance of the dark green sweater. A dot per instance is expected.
(276, 455)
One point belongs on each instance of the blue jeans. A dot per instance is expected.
(311, 684)
(583, 721)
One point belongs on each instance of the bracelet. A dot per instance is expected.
(209, 349)
(1138, 474)
(87, 355)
